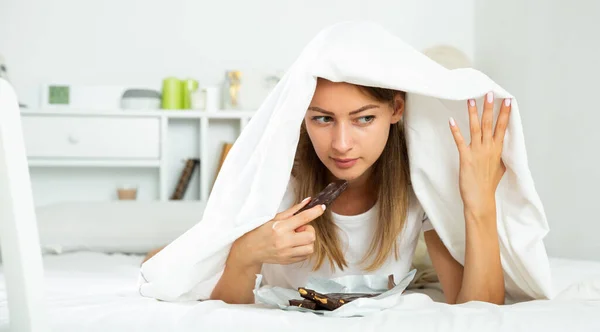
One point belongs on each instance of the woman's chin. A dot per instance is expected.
(347, 174)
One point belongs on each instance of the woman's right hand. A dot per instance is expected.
(284, 240)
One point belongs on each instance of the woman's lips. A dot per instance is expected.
(345, 163)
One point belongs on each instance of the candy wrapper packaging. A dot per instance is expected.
(378, 284)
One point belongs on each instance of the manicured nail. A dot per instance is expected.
(472, 102)
(324, 207)
(507, 102)
(306, 199)
(490, 97)
(452, 123)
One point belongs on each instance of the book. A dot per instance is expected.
(184, 178)
(224, 151)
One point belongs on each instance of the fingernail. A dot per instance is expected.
(507, 102)
(472, 102)
(306, 199)
(324, 207)
(452, 123)
(490, 97)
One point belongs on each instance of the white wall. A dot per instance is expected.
(140, 42)
(546, 53)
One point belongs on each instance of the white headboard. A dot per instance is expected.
(21, 255)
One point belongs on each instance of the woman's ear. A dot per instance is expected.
(398, 108)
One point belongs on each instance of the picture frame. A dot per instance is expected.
(55, 96)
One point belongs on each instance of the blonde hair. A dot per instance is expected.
(392, 180)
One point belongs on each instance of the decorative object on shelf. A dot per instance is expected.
(190, 86)
(213, 98)
(172, 94)
(224, 151)
(141, 99)
(232, 89)
(198, 99)
(127, 192)
(184, 178)
(57, 95)
(271, 80)
(206, 98)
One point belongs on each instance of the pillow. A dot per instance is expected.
(133, 227)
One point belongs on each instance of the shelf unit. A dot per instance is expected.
(188, 127)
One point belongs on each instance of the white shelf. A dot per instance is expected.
(41, 162)
(181, 114)
(183, 134)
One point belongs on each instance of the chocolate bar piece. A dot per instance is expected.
(329, 301)
(308, 304)
(327, 195)
(321, 300)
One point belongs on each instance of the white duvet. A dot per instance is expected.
(255, 175)
(89, 291)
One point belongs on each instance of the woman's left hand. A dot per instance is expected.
(481, 166)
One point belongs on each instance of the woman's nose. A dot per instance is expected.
(342, 141)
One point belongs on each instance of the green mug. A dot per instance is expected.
(189, 87)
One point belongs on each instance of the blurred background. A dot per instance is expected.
(544, 52)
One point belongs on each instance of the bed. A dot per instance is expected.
(93, 291)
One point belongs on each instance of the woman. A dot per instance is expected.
(355, 133)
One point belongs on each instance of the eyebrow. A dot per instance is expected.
(362, 109)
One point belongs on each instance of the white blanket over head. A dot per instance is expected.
(255, 175)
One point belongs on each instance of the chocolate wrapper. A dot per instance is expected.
(279, 297)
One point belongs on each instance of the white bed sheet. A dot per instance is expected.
(89, 291)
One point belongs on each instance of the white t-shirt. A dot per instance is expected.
(355, 234)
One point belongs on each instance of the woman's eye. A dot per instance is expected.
(322, 119)
(366, 119)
